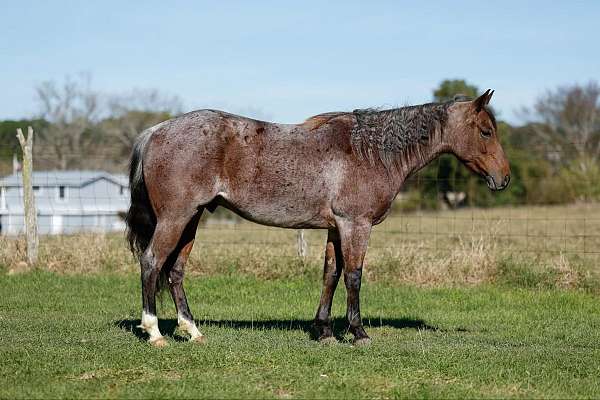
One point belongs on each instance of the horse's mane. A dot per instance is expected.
(394, 134)
(383, 134)
(316, 121)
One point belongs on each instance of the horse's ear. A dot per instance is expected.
(483, 100)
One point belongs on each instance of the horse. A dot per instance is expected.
(338, 171)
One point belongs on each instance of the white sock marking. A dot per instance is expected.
(188, 326)
(150, 325)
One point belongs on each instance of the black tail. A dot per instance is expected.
(140, 218)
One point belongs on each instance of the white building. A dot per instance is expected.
(66, 201)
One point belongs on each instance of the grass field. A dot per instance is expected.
(473, 303)
(75, 336)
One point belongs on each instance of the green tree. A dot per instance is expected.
(9, 145)
(453, 87)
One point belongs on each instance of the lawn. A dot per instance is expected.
(74, 335)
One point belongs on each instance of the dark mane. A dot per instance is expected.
(384, 134)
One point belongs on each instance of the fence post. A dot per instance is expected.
(28, 199)
(301, 244)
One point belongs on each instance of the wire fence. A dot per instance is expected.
(94, 197)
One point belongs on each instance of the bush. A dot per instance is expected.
(581, 180)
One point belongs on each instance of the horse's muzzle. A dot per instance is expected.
(493, 185)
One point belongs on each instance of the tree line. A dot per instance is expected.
(81, 128)
(553, 153)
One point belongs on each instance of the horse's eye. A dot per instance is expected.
(486, 134)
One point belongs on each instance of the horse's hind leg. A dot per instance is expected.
(164, 241)
(332, 270)
(184, 315)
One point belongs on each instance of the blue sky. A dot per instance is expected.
(288, 60)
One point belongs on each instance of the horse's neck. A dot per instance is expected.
(419, 158)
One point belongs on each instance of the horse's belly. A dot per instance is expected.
(285, 213)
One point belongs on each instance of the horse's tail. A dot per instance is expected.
(140, 218)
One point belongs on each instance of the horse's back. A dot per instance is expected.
(260, 169)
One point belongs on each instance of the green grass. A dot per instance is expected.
(75, 336)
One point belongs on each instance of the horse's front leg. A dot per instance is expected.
(354, 237)
(332, 270)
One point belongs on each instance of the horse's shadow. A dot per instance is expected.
(169, 326)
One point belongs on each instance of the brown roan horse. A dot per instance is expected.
(338, 171)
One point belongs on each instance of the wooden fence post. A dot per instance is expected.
(28, 200)
(301, 244)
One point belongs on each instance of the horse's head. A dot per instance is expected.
(472, 137)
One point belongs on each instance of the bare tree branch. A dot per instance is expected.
(569, 117)
(71, 110)
(130, 114)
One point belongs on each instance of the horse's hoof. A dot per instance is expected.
(328, 340)
(199, 340)
(365, 341)
(159, 342)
